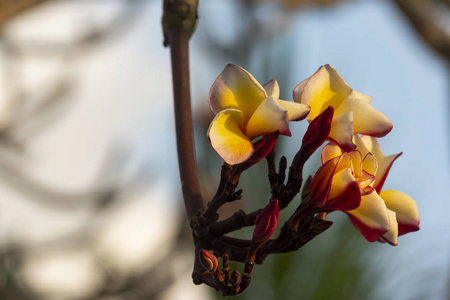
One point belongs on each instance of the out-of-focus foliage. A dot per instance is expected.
(107, 249)
(431, 20)
(9, 9)
(300, 3)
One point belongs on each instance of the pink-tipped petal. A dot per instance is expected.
(345, 163)
(357, 95)
(357, 165)
(391, 236)
(361, 145)
(349, 199)
(342, 131)
(384, 163)
(370, 144)
(367, 190)
(331, 150)
(296, 111)
(272, 88)
(298, 90)
(371, 217)
(384, 166)
(236, 88)
(405, 208)
(365, 182)
(324, 88)
(370, 164)
(366, 119)
(226, 137)
(267, 118)
(340, 181)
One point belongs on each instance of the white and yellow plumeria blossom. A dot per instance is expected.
(245, 110)
(371, 216)
(404, 207)
(381, 215)
(352, 110)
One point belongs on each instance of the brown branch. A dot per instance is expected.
(177, 26)
(422, 14)
(446, 3)
(10, 9)
(237, 221)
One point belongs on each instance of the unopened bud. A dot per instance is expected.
(225, 261)
(245, 282)
(208, 261)
(235, 279)
(262, 148)
(233, 284)
(317, 132)
(225, 266)
(265, 222)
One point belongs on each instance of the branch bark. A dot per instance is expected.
(178, 24)
(422, 14)
(10, 9)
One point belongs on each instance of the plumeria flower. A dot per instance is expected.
(352, 110)
(404, 207)
(351, 190)
(246, 110)
(380, 215)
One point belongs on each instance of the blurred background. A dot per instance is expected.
(90, 202)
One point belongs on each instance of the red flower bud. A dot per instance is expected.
(235, 282)
(265, 222)
(262, 148)
(235, 279)
(317, 132)
(208, 261)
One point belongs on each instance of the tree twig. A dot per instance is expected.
(422, 14)
(179, 21)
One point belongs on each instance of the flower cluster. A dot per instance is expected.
(353, 169)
